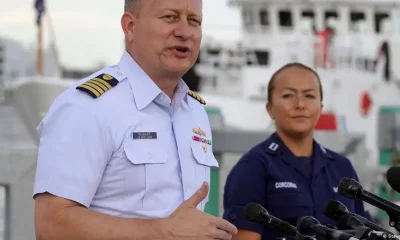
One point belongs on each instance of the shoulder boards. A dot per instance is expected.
(95, 87)
(197, 97)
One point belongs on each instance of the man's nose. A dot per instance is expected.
(183, 30)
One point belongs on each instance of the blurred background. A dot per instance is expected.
(45, 46)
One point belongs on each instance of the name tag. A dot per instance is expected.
(144, 135)
(285, 185)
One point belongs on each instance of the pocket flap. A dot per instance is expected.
(145, 151)
(203, 154)
(292, 199)
(290, 205)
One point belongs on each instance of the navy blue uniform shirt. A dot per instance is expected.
(289, 187)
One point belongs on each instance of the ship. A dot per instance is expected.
(350, 43)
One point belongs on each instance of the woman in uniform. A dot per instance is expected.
(289, 173)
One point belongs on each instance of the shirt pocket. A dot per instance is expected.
(144, 177)
(204, 161)
(325, 188)
(290, 204)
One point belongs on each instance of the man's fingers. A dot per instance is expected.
(198, 196)
(221, 234)
(225, 226)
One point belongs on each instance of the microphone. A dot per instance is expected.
(311, 227)
(335, 210)
(348, 221)
(257, 214)
(393, 178)
(352, 189)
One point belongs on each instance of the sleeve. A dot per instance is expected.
(245, 183)
(359, 204)
(73, 153)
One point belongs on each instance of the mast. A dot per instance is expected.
(39, 57)
(40, 8)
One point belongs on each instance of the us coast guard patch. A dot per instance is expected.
(95, 87)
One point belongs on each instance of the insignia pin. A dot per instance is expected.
(107, 77)
(205, 148)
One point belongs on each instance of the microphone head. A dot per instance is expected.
(348, 222)
(393, 178)
(305, 224)
(349, 188)
(255, 213)
(335, 209)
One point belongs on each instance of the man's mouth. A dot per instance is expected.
(182, 49)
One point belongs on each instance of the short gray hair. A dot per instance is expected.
(132, 6)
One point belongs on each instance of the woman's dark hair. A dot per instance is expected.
(290, 65)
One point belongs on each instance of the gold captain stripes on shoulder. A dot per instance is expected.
(197, 97)
(95, 87)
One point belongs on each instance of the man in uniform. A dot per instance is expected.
(126, 152)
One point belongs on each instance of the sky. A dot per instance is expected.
(88, 32)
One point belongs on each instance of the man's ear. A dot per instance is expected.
(128, 21)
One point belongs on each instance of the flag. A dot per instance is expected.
(39, 5)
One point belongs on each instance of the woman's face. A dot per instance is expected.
(296, 101)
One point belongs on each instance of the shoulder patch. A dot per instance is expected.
(96, 86)
(197, 97)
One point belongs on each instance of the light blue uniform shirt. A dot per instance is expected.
(128, 152)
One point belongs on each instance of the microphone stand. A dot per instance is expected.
(368, 234)
(362, 232)
(394, 220)
(283, 236)
(375, 235)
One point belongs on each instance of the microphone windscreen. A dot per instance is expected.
(343, 186)
(393, 177)
(305, 225)
(252, 212)
(333, 210)
(347, 222)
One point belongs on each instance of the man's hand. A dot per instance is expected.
(188, 223)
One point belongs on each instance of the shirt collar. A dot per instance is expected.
(143, 87)
(181, 96)
(275, 146)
